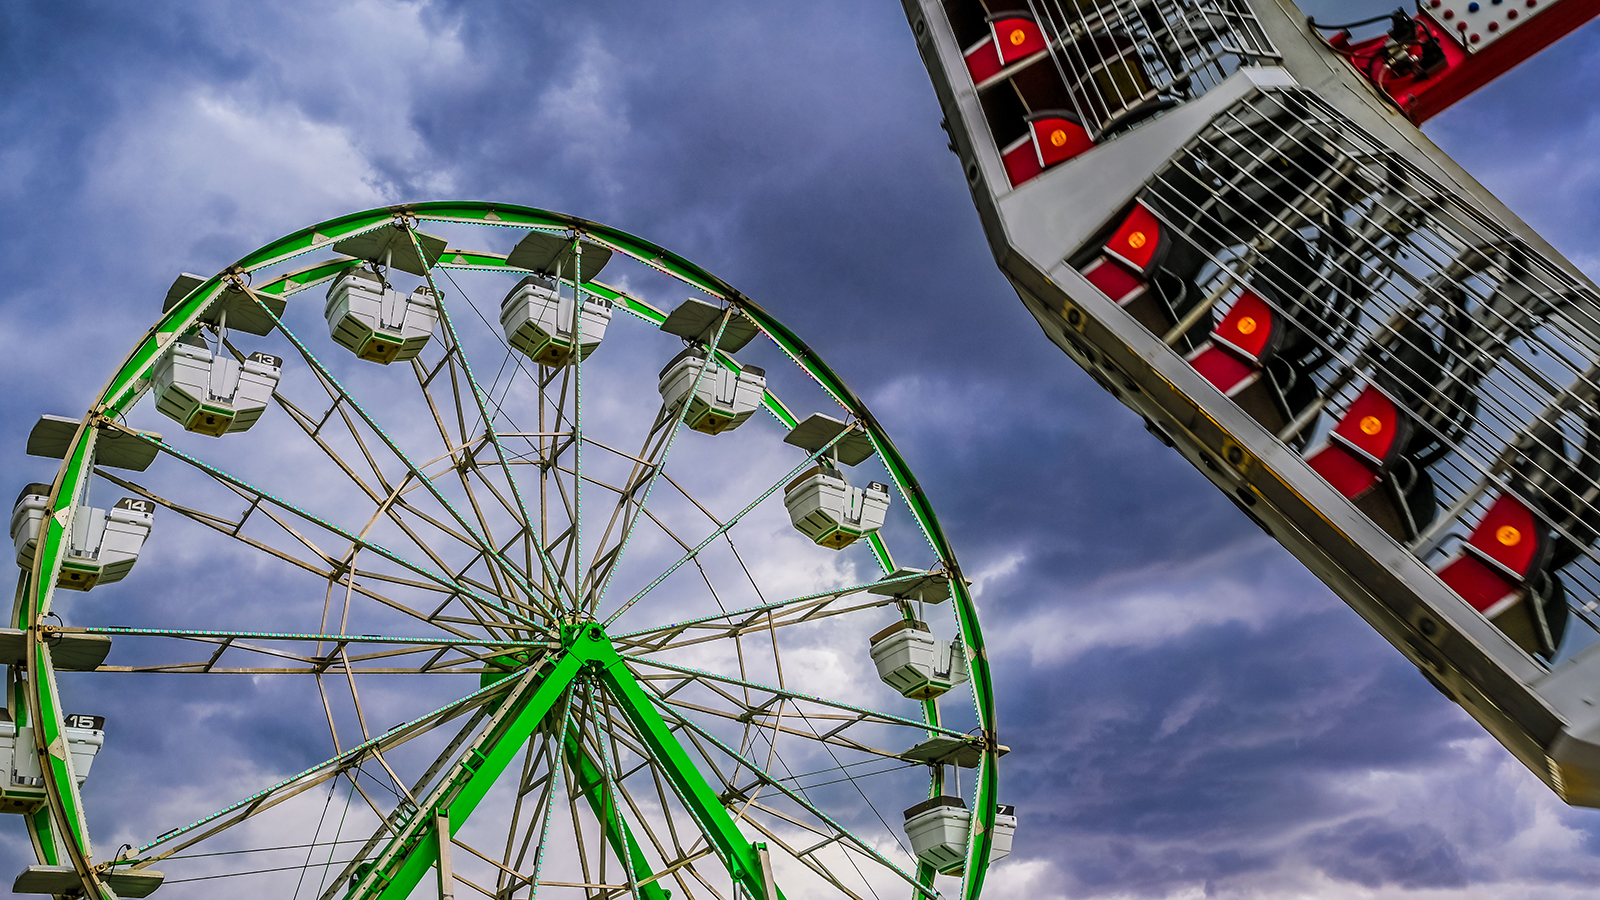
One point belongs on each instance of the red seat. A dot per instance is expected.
(1373, 428)
(983, 63)
(1130, 259)
(1021, 160)
(1349, 474)
(1250, 329)
(1510, 538)
(1226, 372)
(1016, 35)
(1058, 136)
(1237, 361)
(1013, 36)
(1114, 280)
(1138, 242)
(1504, 552)
(1368, 438)
(1500, 570)
(1240, 345)
(1485, 589)
(1054, 136)
(1130, 255)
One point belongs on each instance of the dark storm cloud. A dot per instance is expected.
(1189, 711)
(1172, 760)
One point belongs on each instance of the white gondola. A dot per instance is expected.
(103, 545)
(23, 788)
(915, 663)
(821, 503)
(213, 394)
(826, 509)
(1005, 830)
(938, 830)
(537, 319)
(376, 322)
(724, 399)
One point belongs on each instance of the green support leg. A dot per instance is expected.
(591, 783)
(409, 856)
(741, 857)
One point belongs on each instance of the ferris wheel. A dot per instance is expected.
(587, 595)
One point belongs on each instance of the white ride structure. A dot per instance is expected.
(718, 400)
(938, 829)
(1226, 214)
(915, 663)
(210, 393)
(23, 786)
(103, 544)
(376, 322)
(719, 397)
(822, 504)
(539, 318)
(208, 389)
(539, 321)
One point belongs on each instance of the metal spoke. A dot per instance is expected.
(794, 796)
(427, 642)
(256, 495)
(557, 779)
(859, 713)
(400, 454)
(723, 528)
(649, 480)
(750, 617)
(488, 422)
(310, 777)
(336, 660)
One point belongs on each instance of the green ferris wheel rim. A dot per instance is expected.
(63, 820)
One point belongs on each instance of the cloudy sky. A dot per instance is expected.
(1191, 714)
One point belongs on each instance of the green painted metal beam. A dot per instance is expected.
(42, 696)
(592, 785)
(409, 855)
(737, 852)
(42, 832)
(299, 280)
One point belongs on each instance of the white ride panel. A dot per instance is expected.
(22, 788)
(538, 321)
(724, 399)
(938, 829)
(915, 663)
(826, 509)
(103, 546)
(376, 322)
(211, 394)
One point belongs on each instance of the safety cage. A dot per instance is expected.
(1058, 76)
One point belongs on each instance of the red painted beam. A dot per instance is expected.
(1465, 66)
(1542, 29)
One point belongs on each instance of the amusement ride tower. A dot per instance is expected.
(1226, 213)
